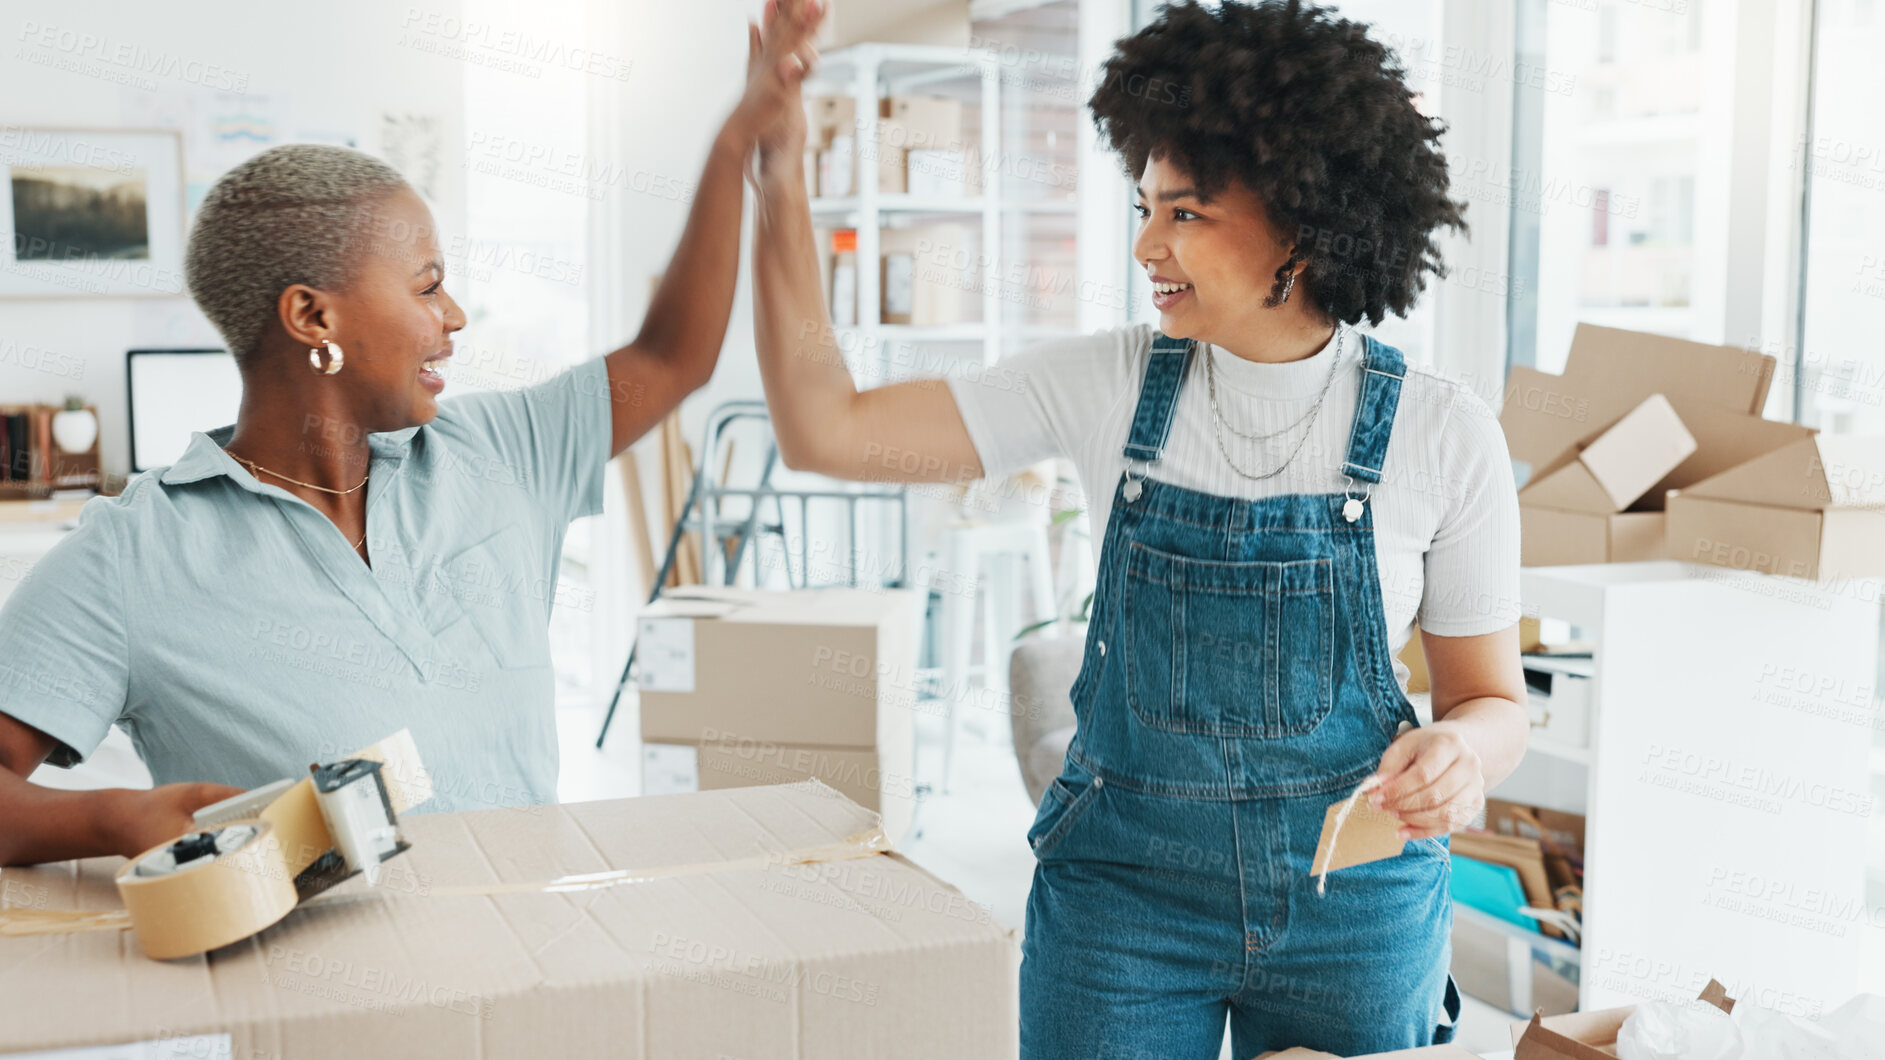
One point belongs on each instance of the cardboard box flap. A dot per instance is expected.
(1724, 440)
(1571, 1036)
(1588, 1035)
(1646, 444)
(1567, 485)
(685, 925)
(1610, 371)
(1618, 467)
(1819, 471)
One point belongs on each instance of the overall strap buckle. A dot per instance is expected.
(1383, 370)
(1165, 367)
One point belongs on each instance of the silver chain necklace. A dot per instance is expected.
(1219, 424)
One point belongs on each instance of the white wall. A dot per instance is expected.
(326, 71)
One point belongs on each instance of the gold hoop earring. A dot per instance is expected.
(336, 358)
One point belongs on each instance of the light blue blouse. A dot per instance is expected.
(237, 636)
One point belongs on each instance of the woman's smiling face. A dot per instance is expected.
(1212, 261)
(395, 321)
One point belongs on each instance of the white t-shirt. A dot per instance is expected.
(1445, 512)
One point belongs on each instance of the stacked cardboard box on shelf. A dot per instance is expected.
(1632, 417)
(919, 147)
(928, 278)
(762, 922)
(741, 687)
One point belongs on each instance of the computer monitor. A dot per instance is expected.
(170, 393)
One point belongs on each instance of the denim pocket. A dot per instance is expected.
(1228, 649)
(1061, 806)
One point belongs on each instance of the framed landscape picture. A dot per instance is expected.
(91, 212)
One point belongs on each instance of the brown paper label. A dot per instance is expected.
(1368, 835)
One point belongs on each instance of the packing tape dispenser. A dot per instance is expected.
(255, 856)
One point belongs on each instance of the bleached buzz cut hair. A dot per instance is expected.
(288, 215)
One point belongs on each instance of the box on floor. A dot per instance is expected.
(1632, 416)
(1587, 1035)
(744, 686)
(1814, 509)
(757, 922)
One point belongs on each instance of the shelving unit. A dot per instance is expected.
(870, 72)
(1727, 812)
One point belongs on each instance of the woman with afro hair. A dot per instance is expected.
(1279, 497)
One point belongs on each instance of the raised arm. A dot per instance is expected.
(906, 432)
(679, 342)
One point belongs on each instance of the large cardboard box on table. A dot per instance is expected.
(1814, 509)
(756, 923)
(757, 687)
(1632, 416)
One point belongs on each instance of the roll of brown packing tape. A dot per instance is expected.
(184, 898)
(207, 889)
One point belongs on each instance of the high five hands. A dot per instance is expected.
(780, 56)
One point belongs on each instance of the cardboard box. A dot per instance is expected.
(832, 138)
(1609, 371)
(1632, 416)
(1793, 542)
(1812, 509)
(930, 128)
(920, 123)
(882, 780)
(1609, 473)
(756, 922)
(1548, 537)
(1587, 1035)
(1573, 509)
(830, 667)
(924, 284)
(827, 117)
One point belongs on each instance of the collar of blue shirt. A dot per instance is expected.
(204, 457)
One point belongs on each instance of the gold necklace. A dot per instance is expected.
(298, 482)
(324, 489)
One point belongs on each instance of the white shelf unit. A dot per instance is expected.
(1727, 811)
(868, 73)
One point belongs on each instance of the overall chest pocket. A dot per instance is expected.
(1228, 649)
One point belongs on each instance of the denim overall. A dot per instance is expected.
(1236, 682)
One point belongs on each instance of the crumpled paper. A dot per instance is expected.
(1658, 1030)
